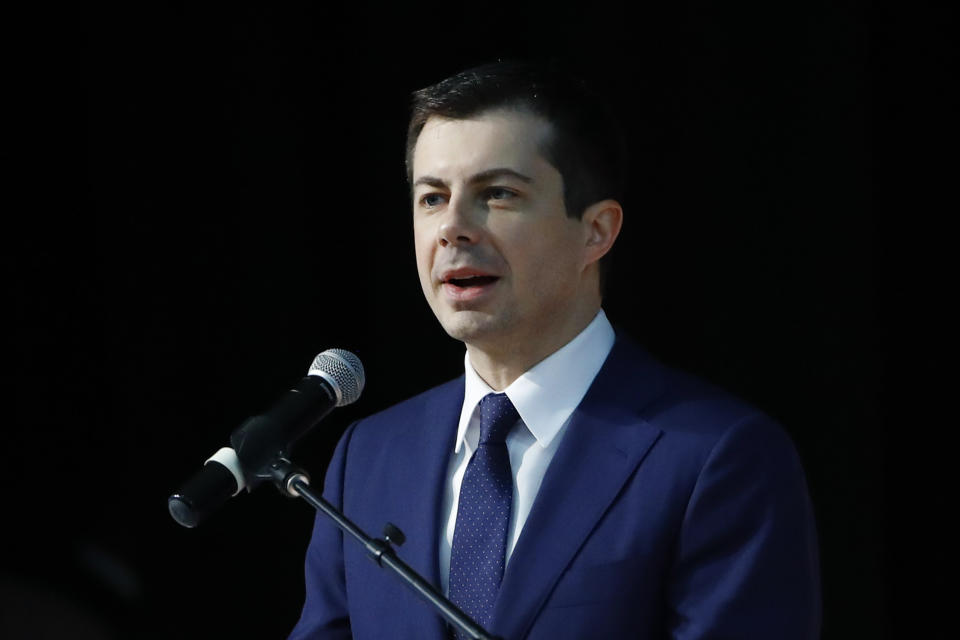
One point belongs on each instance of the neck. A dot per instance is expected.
(502, 362)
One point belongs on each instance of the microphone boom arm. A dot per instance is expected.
(293, 481)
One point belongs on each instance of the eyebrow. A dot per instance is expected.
(483, 176)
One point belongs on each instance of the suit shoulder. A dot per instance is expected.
(699, 421)
(685, 406)
(668, 397)
(686, 394)
(697, 414)
(413, 408)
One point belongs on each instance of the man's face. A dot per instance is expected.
(500, 262)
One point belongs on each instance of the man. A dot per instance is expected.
(568, 485)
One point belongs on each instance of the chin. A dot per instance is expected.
(472, 327)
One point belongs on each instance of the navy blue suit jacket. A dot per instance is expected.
(670, 510)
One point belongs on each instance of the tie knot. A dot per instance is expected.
(497, 416)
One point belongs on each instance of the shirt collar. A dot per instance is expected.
(546, 394)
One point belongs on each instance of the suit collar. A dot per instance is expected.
(547, 394)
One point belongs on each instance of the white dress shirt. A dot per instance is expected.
(545, 397)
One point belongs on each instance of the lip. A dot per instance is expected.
(467, 294)
(464, 272)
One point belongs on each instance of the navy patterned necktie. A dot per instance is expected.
(483, 514)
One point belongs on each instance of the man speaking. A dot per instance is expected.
(567, 485)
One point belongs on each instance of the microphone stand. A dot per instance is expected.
(294, 482)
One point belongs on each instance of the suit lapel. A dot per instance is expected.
(425, 446)
(604, 442)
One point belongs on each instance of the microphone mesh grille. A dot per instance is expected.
(346, 371)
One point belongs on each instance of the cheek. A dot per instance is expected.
(548, 259)
(420, 246)
(424, 255)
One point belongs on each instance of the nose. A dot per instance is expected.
(459, 225)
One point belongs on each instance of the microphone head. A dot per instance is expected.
(343, 371)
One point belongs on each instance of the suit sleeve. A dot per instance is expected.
(325, 615)
(747, 564)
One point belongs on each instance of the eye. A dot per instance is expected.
(499, 193)
(431, 200)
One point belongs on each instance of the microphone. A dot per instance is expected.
(335, 379)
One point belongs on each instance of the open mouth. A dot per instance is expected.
(471, 281)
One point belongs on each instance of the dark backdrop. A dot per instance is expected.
(212, 196)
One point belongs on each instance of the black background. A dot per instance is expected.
(204, 198)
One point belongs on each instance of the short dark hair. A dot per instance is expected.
(585, 146)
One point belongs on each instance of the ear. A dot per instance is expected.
(601, 226)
